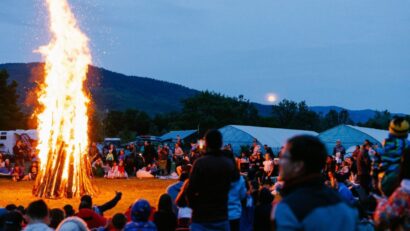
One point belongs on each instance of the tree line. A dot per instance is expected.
(202, 111)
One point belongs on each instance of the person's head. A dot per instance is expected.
(140, 211)
(357, 147)
(72, 224)
(405, 165)
(7, 162)
(267, 156)
(12, 221)
(56, 216)
(122, 152)
(68, 210)
(87, 198)
(338, 142)
(213, 139)
(119, 221)
(303, 155)
(165, 203)
(399, 127)
(11, 207)
(38, 211)
(84, 205)
(94, 144)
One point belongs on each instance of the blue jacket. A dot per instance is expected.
(236, 194)
(140, 226)
(309, 205)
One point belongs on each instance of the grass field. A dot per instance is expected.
(19, 193)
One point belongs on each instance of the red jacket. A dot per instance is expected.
(92, 219)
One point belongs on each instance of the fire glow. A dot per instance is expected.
(62, 117)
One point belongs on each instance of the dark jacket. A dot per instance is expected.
(100, 209)
(165, 221)
(208, 187)
(309, 205)
(363, 163)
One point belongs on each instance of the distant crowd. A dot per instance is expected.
(303, 187)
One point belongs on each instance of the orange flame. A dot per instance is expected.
(63, 120)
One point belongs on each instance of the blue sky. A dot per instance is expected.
(349, 53)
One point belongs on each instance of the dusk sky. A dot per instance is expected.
(349, 53)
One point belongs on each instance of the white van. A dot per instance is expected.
(9, 138)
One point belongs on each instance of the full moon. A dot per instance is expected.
(271, 98)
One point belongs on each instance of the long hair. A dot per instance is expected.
(165, 203)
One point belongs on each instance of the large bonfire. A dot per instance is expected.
(62, 117)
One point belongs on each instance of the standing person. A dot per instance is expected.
(162, 160)
(178, 154)
(38, 215)
(237, 194)
(306, 200)
(19, 154)
(339, 149)
(394, 213)
(93, 152)
(268, 150)
(149, 153)
(391, 154)
(262, 211)
(267, 169)
(363, 169)
(164, 218)
(208, 186)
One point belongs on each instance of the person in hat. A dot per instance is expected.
(394, 213)
(140, 212)
(391, 155)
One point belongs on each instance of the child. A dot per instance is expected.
(267, 169)
(32, 173)
(391, 155)
(110, 158)
(17, 173)
(122, 174)
(113, 172)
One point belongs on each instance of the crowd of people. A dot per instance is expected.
(303, 187)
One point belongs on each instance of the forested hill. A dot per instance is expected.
(109, 90)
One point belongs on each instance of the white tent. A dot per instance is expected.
(351, 135)
(239, 135)
(172, 135)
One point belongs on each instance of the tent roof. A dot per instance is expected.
(351, 135)
(173, 134)
(377, 134)
(273, 137)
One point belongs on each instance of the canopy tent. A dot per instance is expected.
(351, 136)
(172, 135)
(239, 135)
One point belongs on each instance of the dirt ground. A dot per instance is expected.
(19, 193)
